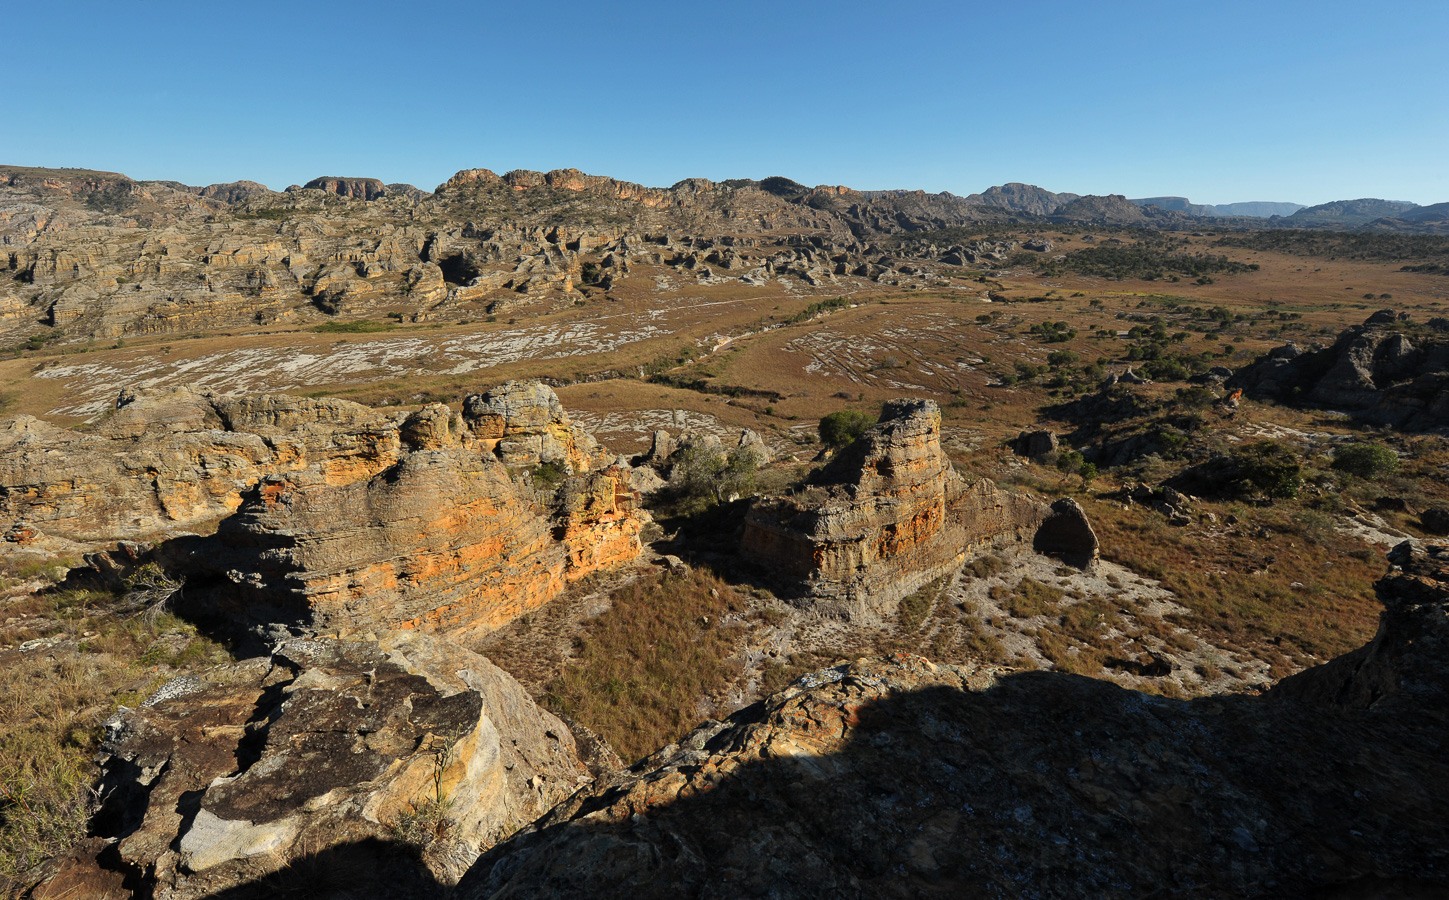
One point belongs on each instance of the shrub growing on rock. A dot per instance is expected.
(840, 429)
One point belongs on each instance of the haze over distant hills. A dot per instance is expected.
(1253, 208)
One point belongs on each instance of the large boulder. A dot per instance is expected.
(243, 773)
(1066, 534)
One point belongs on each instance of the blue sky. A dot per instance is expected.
(1219, 102)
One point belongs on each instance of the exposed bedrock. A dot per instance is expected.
(890, 514)
(244, 771)
(1382, 372)
(178, 459)
(331, 514)
(442, 541)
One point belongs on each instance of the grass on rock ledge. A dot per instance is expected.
(53, 701)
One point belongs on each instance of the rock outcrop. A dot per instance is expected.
(898, 778)
(331, 515)
(179, 459)
(442, 541)
(244, 771)
(357, 188)
(884, 517)
(524, 424)
(1377, 372)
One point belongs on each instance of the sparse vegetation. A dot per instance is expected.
(356, 326)
(52, 704)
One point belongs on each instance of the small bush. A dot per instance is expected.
(1367, 461)
(840, 429)
(1271, 468)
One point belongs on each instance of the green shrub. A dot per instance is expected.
(840, 429)
(550, 474)
(1367, 461)
(1270, 468)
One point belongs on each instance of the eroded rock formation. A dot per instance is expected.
(887, 515)
(1378, 372)
(898, 778)
(179, 459)
(442, 541)
(226, 778)
(333, 515)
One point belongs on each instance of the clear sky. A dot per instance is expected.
(1216, 101)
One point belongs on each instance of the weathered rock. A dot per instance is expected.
(751, 442)
(1374, 372)
(357, 188)
(887, 515)
(897, 778)
(434, 427)
(524, 424)
(1035, 445)
(1435, 520)
(240, 773)
(442, 541)
(168, 461)
(1066, 534)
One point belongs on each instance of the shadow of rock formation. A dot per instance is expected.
(897, 778)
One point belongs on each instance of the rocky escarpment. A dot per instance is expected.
(1382, 372)
(333, 516)
(98, 254)
(328, 748)
(898, 778)
(179, 459)
(887, 515)
(442, 541)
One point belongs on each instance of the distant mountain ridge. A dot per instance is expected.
(1351, 212)
(1252, 208)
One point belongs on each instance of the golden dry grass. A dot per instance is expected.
(52, 701)
(641, 670)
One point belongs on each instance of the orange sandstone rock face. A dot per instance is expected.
(178, 459)
(442, 542)
(892, 515)
(346, 520)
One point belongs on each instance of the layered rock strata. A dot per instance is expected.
(886, 516)
(247, 770)
(898, 778)
(442, 541)
(330, 514)
(179, 459)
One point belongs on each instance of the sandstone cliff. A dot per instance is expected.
(898, 778)
(442, 541)
(244, 772)
(179, 459)
(331, 514)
